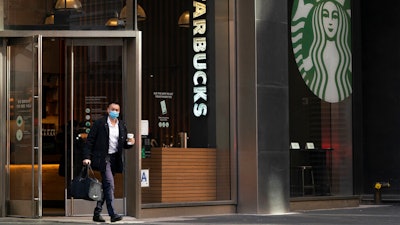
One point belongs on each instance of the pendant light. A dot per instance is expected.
(184, 19)
(68, 4)
(115, 21)
(49, 19)
(141, 14)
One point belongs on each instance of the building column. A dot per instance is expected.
(262, 106)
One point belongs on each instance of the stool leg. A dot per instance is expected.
(312, 182)
(302, 181)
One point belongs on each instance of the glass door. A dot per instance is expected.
(24, 160)
(94, 69)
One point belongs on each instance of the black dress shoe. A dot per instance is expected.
(98, 218)
(115, 218)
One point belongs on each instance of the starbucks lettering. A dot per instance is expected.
(199, 59)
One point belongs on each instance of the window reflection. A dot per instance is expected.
(63, 15)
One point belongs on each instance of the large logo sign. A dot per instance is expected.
(321, 38)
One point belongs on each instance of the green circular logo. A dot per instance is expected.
(19, 121)
(321, 41)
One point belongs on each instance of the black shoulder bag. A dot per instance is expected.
(86, 186)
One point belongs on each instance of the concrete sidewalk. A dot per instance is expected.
(363, 215)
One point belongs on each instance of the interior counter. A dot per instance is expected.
(180, 175)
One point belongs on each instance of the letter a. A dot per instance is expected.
(200, 9)
(144, 177)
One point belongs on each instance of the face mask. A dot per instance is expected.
(114, 114)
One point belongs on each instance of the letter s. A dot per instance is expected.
(200, 109)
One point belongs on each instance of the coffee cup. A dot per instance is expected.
(130, 136)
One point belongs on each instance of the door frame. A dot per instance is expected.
(24, 206)
(132, 103)
(81, 207)
(3, 126)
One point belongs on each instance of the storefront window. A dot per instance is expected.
(186, 101)
(320, 99)
(67, 15)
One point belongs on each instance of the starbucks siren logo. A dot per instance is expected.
(321, 39)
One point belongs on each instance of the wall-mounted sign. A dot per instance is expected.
(165, 98)
(321, 39)
(144, 128)
(144, 178)
(95, 107)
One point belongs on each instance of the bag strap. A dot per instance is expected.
(90, 172)
(84, 172)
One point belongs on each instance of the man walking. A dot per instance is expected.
(103, 151)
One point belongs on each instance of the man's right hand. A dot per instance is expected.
(86, 162)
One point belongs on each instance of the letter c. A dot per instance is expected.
(202, 75)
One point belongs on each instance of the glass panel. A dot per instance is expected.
(65, 14)
(328, 128)
(52, 138)
(186, 101)
(320, 101)
(24, 138)
(94, 77)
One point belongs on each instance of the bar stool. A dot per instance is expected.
(309, 184)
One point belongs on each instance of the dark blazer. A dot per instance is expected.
(96, 148)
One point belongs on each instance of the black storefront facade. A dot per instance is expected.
(225, 102)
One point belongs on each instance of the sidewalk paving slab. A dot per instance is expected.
(362, 215)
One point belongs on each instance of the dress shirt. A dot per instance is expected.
(113, 137)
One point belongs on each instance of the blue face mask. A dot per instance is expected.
(114, 114)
